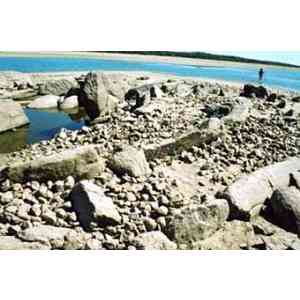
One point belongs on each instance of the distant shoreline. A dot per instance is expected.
(145, 58)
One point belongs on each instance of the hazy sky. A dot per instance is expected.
(281, 56)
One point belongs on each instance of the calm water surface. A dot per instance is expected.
(277, 77)
(45, 124)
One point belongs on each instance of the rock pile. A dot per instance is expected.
(178, 164)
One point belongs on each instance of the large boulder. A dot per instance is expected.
(197, 223)
(234, 235)
(249, 192)
(273, 237)
(142, 94)
(154, 240)
(217, 110)
(285, 205)
(11, 115)
(151, 108)
(45, 102)
(92, 205)
(57, 87)
(13, 243)
(296, 99)
(81, 163)
(101, 93)
(68, 103)
(130, 161)
(258, 91)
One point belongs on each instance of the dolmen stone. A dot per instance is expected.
(208, 132)
(249, 192)
(45, 102)
(13, 243)
(81, 163)
(258, 91)
(131, 161)
(11, 115)
(57, 87)
(45, 234)
(199, 222)
(102, 92)
(68, 102)
(92, 205)
(285, 203)
(142, 94)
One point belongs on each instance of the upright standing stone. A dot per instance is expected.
(102, 92)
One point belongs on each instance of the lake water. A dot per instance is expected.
(44, 124)
(277, 77)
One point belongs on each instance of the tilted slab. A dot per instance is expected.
(185, 141)
(81, 163)
(251, 191)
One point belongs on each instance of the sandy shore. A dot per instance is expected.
(144, 58)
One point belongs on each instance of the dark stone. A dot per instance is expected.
(285, 205)
(272, 97)
(221, 93)
(296, 99)
(281, 104)
(259, 92)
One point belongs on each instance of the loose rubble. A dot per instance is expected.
(165, 164)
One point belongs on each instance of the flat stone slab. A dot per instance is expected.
(183, 142)
(11, 115)
(92, 205)
(13, 243)
(252, 190)
(81, 163)
(44, 234)
(154, 240)
(44, 102)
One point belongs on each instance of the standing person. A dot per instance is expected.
(261, 74)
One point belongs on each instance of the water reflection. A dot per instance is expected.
(44, 124)
(13, 140)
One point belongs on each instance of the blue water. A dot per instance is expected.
(43, 126)
(49, 124)
(276, 77)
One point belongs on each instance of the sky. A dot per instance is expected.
(280, 56)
